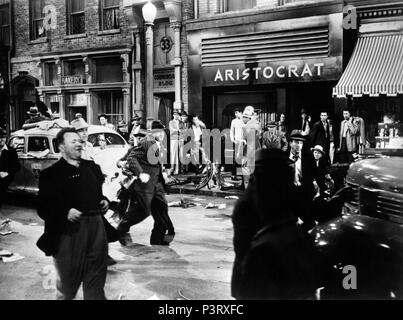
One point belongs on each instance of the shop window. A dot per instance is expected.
(235, 5)
(74, 72)
(75, 16)
(4, 26)
(111, 104)
(109, 14)
(51, 77)
(108, 70)
(36, 19)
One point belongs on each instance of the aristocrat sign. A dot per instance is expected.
(275, 72)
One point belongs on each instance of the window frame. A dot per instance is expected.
(69, 19)
(33, 20)
(222, 6)
(102, 9)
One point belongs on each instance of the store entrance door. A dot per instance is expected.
(163, 104)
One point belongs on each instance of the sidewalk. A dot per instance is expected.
(213, 192)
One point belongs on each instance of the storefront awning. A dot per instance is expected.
(376, 67)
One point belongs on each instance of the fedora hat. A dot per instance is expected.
(318, 148)
(157, 125)
(136, 117)
(33, 111)
(297, 135)
(184, 114)
(79, 124)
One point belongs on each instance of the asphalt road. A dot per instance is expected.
(196, 266)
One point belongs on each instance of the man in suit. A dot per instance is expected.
(147, 192)
(174, 133)
(9, 165)
(348, 138)
(322, 134)
(184, 138)
(302, 188)
(71, 203)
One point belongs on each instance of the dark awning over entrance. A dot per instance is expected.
(376, 67)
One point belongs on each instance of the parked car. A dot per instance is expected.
(36, 149)
(369, 234)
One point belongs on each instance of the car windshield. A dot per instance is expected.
(112, 139)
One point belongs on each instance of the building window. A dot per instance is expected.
(235, 5)
(109, 14)
(4, 26)
(108, 70)
(75, 16)
(37, 15)
(111, 104)
(74, 72)
(51, 77)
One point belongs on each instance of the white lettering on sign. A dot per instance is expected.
(72, 80)
(282, 71)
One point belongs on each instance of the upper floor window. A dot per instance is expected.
(235, 5)
(36, 19)
(51, 76)
(75, 16)
(4, 25)
(109, 14)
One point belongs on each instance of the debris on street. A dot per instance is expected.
(5, 228)
(7, 256)
(232, 197)
(218, 206)
(183, 204)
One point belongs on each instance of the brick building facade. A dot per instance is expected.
(89, 57)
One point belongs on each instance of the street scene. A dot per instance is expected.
(201, 150)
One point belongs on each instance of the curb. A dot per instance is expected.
(203, 192)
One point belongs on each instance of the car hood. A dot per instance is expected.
(378, 173)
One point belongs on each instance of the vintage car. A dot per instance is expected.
(37, 150)
(368, 236)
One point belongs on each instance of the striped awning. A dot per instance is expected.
(376, 67)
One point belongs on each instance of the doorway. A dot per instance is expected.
(163, 104)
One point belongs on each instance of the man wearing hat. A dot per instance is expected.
(273, 138)
(302, 188)
(147, 192)
(9, 165)
(135, 130)
(82, 129)
(34, 115)
(321, 171)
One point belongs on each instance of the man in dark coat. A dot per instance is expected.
(273, 258)
(321, 134)
(148, 194)
(9, 165)
(302, 187)
(71, 203)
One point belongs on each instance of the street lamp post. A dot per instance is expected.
(149, 14)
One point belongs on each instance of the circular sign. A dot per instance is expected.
(166, 44)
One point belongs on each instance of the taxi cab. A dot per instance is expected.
(36, 149)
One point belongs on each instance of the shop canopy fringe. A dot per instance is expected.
(375, 68)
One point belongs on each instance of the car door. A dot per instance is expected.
(18, 183)
(39, 156)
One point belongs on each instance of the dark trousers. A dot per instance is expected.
(4, 183)
(345, 156)
(142, 205)
(82, 257)
(237, 159)
(302, 198)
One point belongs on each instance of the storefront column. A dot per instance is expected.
(39, 65)
(126, 105)
(90, 111)
(60, 97)
(136, 71)
(124, 57)
(87, 69)
(177, 62)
